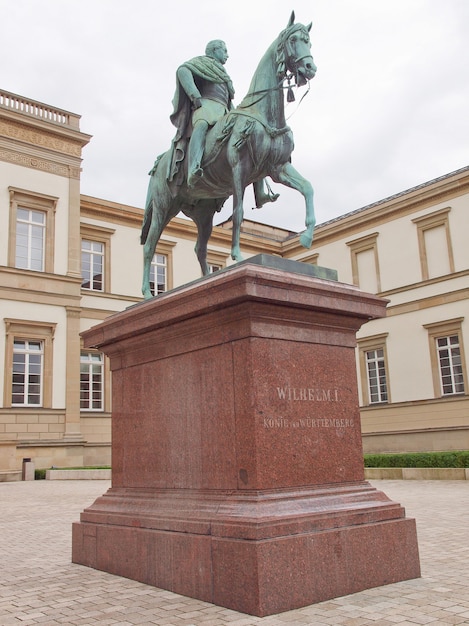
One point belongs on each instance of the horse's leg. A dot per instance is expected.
(287, 175)
(203, 218)
(238, 211)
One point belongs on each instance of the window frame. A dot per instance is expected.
(364, 244)
(367, 344)
(102, 235)
(217, 258)
(28, 372)
(373, 358)
(428, 222)
(32, 229)
(103, 381)
(93, 255)
(26, 330)
(154, 265)
(166, 248)
(438, 330)
(311, 259)
(33, 201)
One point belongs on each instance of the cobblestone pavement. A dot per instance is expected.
(40, 585)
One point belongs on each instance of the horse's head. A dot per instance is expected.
(293, 52)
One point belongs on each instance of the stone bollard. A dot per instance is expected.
(27, 470)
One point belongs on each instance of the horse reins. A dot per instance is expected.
(264, 92)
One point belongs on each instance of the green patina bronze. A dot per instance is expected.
(219, 150)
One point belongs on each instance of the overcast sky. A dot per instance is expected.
(387, 110)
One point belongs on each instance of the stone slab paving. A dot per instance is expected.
(40, 585)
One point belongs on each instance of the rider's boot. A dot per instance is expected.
(195, 153)
(261, 195)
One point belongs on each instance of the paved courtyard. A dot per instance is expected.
(40, 585)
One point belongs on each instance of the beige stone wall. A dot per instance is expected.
(32, 425)
(96, 427)
(97, 454)
(40, 160)
(57, 454)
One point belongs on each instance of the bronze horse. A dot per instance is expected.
(246, 145)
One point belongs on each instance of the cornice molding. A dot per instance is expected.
(69, 131)
(113, 212)
(424, 283)
(38, 287)
(412, 306)
(105, 210)
(27, 133)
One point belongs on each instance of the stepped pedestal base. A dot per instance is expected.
(237, 460)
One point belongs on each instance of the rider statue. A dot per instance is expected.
(204, 94)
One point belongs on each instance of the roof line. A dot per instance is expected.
(396, 195)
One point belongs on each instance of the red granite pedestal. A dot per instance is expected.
(237, 459)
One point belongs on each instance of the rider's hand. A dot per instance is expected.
(196, 103)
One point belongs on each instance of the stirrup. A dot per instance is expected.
(270, 196)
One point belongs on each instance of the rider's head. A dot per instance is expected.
(217, 50)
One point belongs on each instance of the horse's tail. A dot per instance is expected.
(147, 216)
(146, 223)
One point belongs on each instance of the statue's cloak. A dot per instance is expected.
(206, 68)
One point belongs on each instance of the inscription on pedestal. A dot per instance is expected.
(314, 395)
(307, 422)
(308, 394)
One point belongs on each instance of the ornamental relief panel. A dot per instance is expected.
(39, 138)
(26, 160)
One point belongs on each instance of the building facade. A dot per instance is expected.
(68, 261)
(411, 366)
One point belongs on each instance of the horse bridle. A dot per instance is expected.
(287, 77)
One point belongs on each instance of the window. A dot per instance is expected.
(447, 357)
(436, 253)
(161, 267)
(376, 371)
(28, 363)
(373, 369)
(159, 274)
(95, 257)
(27, 373)
(30, 239)
(91, 381)
(216, 260)
(365, 265)
(92, 265)
(32, 225)
(312, 259)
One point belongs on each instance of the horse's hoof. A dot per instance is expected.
(306, 239)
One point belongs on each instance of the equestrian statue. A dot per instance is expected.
(219, 150)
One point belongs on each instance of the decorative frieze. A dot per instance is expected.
(26, 160)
